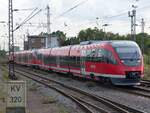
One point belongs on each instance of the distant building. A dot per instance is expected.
(36, 42)
(26, 47)
(53, 41)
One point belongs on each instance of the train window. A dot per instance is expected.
(30, 56)
(39, 56)
(101, 55)
(74, 61)
(47, 59)
(90, 54)
(64, 60)
(61, 60)
(51, 59)
(106, 56)
(77, 61)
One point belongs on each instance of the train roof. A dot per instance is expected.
(87, 45)
(114, 43)
(124, 43)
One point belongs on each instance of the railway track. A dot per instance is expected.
(141, 90)
(89, 102)
(136, 90)
(144, 88)
(145, 83)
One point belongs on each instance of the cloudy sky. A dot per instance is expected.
(112, 12)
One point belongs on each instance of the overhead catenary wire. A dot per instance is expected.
(26, 20)
(72, 8)
(125, 12)
(23, 9)
(29, 15)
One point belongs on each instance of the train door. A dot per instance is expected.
(91, 57)
(92, 65)
(57, 61)
(82, 62)
(42, 59)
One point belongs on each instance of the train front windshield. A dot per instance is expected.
(129, 55)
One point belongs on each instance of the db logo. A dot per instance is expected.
(92, 66)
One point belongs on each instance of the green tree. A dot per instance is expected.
(2, 53)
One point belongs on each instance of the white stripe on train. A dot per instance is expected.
(85, 73)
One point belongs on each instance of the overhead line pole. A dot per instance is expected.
(11, 41)
(142, 25)
(134, 24)
(11, 38)
(132, 14)
(48, 27)
(142, 31)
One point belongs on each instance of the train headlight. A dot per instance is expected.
(122, 61)
(139, 61)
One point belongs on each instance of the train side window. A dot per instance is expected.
(53, 59)
(108, 57)
(90, 54)
(39, 56)
(74, 61)
(103, 55)
(46, 59)
(77, 61)
(30, 57)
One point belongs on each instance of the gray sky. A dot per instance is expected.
(82, 17)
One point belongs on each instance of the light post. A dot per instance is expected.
(97, 18)
(104, 30)
(132, 15)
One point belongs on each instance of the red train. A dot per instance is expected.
(120, 62)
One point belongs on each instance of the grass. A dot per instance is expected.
(146, 68)
(62, 109)
(4, 78)
(146, 72)
(2, 111)
(3, 60)
(4, 73)
(2, 93)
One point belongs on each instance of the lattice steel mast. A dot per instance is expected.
(48, 26)
(11, 40)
